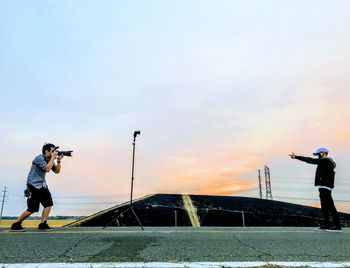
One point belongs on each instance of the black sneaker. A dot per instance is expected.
(17, 227)
(335, 229)
(44, 227)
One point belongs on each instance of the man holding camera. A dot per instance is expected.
(37, 191)
(324, 180)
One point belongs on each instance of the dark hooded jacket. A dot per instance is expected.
(324, 172)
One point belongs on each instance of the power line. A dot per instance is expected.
(3, 202)
(311, 199)
(90, 203)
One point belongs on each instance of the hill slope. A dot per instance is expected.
(204, 210)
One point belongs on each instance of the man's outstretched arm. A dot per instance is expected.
(308, 160)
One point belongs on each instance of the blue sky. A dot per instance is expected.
(218, 89)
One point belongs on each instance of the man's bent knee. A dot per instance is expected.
(32, 210)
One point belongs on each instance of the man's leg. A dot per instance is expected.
(33, 206)
(24, 215)
(324, 207)
(333, 210)
(17, 226)
(46, 201)
(45, 214)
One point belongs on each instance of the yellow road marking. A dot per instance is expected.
(191, 210)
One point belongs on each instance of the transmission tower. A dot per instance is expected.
(260, 189)
(3, 202)
(268, 183)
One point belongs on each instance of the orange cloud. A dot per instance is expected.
(205, 173)
(231, 187)
(316, 205)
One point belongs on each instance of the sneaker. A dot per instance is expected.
(17, 227)
(335, 229)
(44, 227)
(322, 228)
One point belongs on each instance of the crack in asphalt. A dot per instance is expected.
(65, 254)
(260, 252)
(310, 255)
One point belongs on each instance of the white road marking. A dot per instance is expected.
(176, 265)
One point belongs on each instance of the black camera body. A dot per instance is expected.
(27, 193)
(64, 153)
(138, 132)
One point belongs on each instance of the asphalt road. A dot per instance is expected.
(90, 244)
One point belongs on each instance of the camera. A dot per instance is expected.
(138, 132)
(27, 193)
(64, 153)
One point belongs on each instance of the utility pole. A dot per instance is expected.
(3, 201)
(268, 183)
(260, 190)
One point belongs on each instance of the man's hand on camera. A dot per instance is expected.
(54, 154)
(59, 158)
(292, 155)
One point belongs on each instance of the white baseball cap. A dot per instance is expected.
(321, 150)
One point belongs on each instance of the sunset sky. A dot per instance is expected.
(218, 89)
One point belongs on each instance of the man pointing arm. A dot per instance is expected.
(324, 180)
